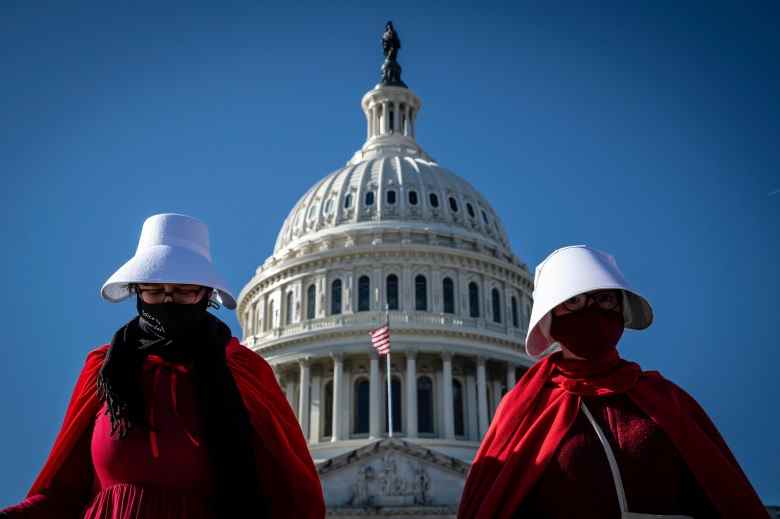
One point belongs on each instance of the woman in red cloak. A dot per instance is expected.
(174, 418)
(587, 434)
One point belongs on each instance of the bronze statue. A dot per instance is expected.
(390, 42)
(391, 70)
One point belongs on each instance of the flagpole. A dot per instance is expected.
(389, 384)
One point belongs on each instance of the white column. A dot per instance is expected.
(289, 391)
(374, 406)
(251, 321)
(449, 423)
(378, 298)
(385, 119)
(496, 396)
(482, 412)
(471, 408)
(303, 397)
(348, 294)
(406, 302)
(338, 395)
(437, 295)
(411, 393)
(316, 409)
(510, 377)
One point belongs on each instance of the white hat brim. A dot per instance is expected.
(166, 264)
(575, 270)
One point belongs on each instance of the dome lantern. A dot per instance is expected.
(391, 109)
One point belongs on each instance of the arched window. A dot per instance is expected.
(311, 302)
(392, 292)
(370, 198)
(434, 200)
(484, 217)
(412, 197)
(288, 310)
(348, 201)
(420, 293)
(425, 405)
(327, 425)
(457, 408)
(453, 204)
(391, 197)
(395, 385)
(360, 422)
(515, 321)
(364, 294)
(448, 289)
(496, 300)
(335, 297)
(470, 209)
(473, 300)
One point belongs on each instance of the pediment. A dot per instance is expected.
(393, 474)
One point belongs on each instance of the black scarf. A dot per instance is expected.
(201, 341)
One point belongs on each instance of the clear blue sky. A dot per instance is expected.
(651, 133)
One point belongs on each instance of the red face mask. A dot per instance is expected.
(589, 333)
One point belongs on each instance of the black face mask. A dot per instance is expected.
(172, 320)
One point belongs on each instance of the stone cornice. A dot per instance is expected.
(461, 343)
(443, 257)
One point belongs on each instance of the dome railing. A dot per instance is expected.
(397, 318)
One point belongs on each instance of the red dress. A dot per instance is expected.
(655, 477)
(161, 471)
(540, 456)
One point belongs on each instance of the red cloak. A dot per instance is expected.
(286, 472)
(531, 422)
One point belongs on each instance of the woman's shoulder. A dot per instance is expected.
(100, 351)
(239, 355)
(96, 356)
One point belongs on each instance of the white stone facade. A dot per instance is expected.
(392, 234)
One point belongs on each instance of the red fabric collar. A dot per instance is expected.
(607, 376)
(536, 415)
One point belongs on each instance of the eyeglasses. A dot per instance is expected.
(158, 294)
(606, 299)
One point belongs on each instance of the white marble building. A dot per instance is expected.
(391, 230)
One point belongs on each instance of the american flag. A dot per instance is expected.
(380, 339)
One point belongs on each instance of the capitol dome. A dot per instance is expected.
(402, 191)
(391, 237)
